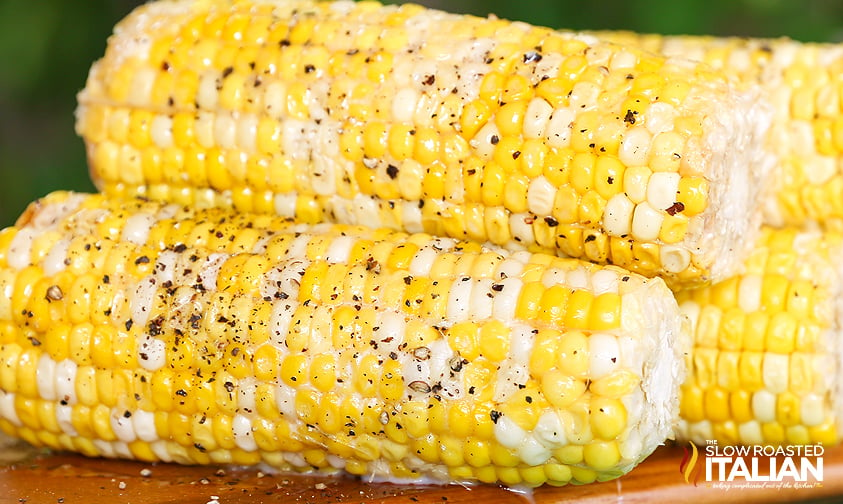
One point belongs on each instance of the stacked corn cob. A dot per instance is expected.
(765, 367)
(156, 332)
(216, 335)
(416, 119)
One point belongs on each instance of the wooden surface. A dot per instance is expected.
(71, 479)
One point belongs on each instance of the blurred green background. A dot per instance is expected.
(47, 47)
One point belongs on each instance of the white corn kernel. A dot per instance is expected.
(459, 299)
(140, 89)
(64, 417)
(207, 95)
(622, 60)
(243, 436)
(141, 300)
(558, 131)
(603, 355)
(674, 259)
(774, 370)
(578, 278)
(225, 131)
(604, 281)
(536, 118)
(339, 249)
(20, 249)
(553, 276)
(635, 146)
(521, 227)
(8, 411)
(813, 409)
(66, 381)
(411, 217)
(161, 131)
(285, 204)
(749, 293)
(45, 377)
(481, 305)
(549, 430)
(540, 196)
(660, 117)
(137, 227)
(275, 99)
(584, 95)
(506, 298)
(247, 133)
(423, 261)
(532, 452)
(635, 181)
(764, 406)
(617, 216)
(203, 129)
(152, 353)
(750, 433)
(144, 425)
(662, 188)
(646, 222)
(485, 140)
(508, 433)
(121, 425)
(404, 104)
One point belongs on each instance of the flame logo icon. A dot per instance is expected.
(689, 463)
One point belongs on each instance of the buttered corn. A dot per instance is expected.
(803, 81)
(159, 332)
(416, 119)
(765, 365)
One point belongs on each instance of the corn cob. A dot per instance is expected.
(803, 82)
(133, 329)
(765, 365)
(415, 119)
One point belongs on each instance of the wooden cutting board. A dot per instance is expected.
(72, 479)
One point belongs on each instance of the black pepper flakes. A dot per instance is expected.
(532, 57)
(54, 293)
(675, 208)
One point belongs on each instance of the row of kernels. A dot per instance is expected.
(735, 329)
(719, 405)
(752, 371)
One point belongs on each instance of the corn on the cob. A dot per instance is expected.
(804, 82)
(419, 120)
(765, 366)
(132, 329)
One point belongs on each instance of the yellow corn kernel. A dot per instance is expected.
(578, 308)
(601, 455)
(529, 301)
(323, 374)
(561, 389)
(474, 116)
(605, 312)
(294, 369)
(693, 194)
